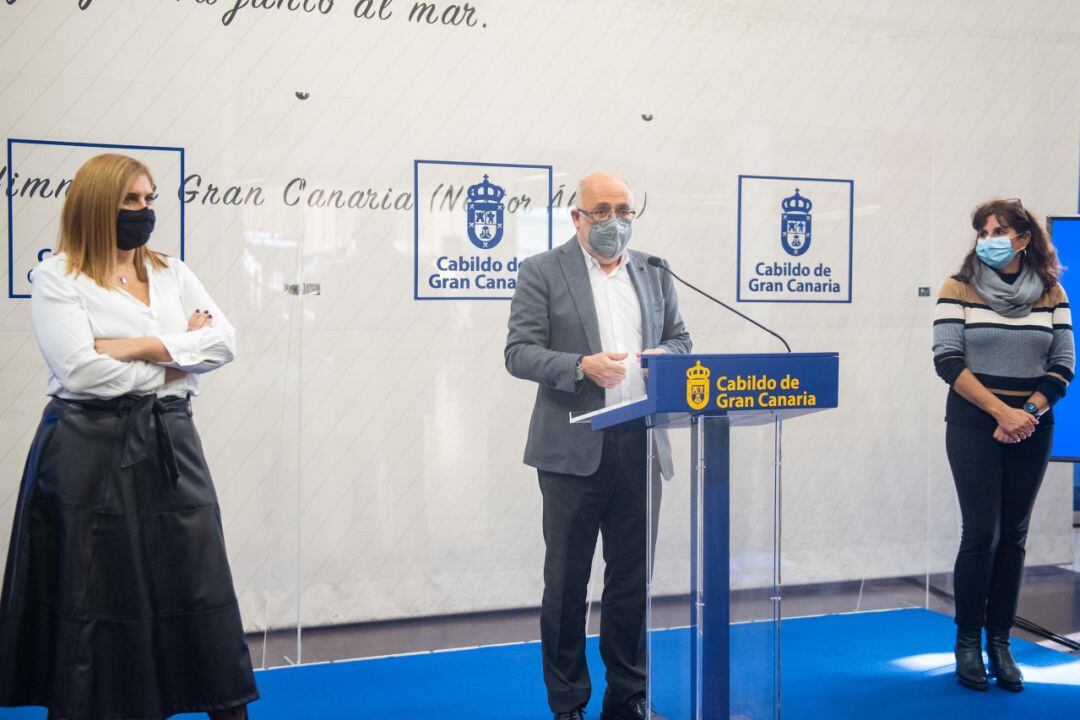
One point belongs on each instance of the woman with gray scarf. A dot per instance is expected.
(1003, 341)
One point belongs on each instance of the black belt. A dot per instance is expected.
(139, 410)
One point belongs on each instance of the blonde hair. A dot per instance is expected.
(88, 220)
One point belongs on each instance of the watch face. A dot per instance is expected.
(1031, 408)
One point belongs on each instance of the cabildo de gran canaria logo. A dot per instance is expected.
(746, 392)
(697, 386)
(484, 210)
(795, 224)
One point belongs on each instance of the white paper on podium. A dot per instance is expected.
(586, 417)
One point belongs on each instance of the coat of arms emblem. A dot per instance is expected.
(484, 209)
(795, 224)
(697, 386)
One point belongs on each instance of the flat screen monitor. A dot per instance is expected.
(1065, 234)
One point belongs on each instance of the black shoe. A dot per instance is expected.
(578, 714)
(970, 671)
(1002, 665)
(632, 710)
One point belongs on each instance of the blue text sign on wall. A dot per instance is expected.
(795, 239)
(474, 224)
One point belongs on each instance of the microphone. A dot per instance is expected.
(658, 263)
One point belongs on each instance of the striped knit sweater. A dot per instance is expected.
(1012, 357)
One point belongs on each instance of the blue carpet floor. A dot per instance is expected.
(869, 666)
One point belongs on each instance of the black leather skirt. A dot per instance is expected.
(117, 601)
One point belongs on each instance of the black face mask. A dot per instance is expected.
(133, 228)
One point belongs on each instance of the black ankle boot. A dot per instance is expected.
(970, 671)
(1002, 665)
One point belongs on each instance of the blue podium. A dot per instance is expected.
(718, 658)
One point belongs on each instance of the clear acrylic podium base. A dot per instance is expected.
(713, 608)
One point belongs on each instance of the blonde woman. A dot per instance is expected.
(117, 598)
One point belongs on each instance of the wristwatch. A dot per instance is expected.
(579, 374)
(1032, 408)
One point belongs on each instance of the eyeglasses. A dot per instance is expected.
(603, 213)
(1017, 203)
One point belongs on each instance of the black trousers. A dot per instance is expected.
(996, 484)
(612, 501)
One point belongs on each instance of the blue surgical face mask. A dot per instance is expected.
(610, 237)
(997, 252)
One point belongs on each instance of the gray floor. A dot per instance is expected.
(1050, 598)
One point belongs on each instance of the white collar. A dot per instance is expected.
(592, 263)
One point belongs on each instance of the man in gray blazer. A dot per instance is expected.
(582, 315)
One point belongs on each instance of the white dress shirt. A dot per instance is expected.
(69, 313)
(618, 313)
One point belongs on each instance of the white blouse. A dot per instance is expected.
(69, 313)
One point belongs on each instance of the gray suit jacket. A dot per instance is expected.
(552, 324)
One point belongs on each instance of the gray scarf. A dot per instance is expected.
(1010, 300)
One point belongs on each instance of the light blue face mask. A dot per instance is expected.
(610, 237)
(997, 252)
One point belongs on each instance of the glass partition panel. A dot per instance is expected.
(421, 526)
(220, 162)
(242, 233)
(263, 132)
(859, 514)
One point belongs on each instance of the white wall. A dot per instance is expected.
(390, 424)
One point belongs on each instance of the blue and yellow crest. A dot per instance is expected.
(795, 224)
(697, 386)
(484, 209)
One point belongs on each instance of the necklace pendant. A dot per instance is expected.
(123, 280)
